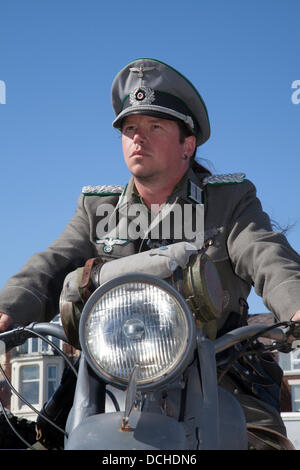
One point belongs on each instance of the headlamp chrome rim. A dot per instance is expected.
(187, 354)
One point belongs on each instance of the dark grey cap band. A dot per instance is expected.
(164, 105)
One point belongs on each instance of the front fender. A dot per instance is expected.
(149, 431)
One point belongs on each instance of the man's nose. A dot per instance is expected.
(139, 136)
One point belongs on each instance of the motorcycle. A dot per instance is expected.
(148, 374)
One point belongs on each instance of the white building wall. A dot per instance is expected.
(292, 423)
(20, 408)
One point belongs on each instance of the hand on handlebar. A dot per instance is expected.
(5, 322)
(294, 331)
(296, 317)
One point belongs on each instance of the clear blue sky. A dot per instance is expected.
(58, 59)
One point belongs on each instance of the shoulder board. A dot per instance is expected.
(230, 178)
(102, 190)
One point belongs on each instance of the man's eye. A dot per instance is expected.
(128, 129)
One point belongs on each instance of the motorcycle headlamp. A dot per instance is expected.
(137, 319)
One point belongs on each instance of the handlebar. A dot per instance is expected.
(49, 329)
(246, 332)
(19, 334)
(280, 333)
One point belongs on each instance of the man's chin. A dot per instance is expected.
(140, 171)
(143, 175)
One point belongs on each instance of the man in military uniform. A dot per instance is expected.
(162, 119)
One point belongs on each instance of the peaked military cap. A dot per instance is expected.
(151, 87)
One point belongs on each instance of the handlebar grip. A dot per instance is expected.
(18, 335)
(14, 337)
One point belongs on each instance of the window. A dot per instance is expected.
(36, 378)
(295, 392)
(52, 379)
(37, 345)
(29, 383)
(291, 361)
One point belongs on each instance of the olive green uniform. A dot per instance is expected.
(238, 236)
(239, 240)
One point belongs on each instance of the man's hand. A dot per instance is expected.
(5, 322)
(296, 317)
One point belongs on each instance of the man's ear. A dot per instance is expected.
(189, 145)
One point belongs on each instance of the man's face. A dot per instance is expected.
(152, 148)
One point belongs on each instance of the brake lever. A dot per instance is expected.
(14, 337)
(293, 338)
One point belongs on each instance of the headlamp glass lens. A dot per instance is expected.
(136, 323)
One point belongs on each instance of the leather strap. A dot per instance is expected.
(86, 287)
